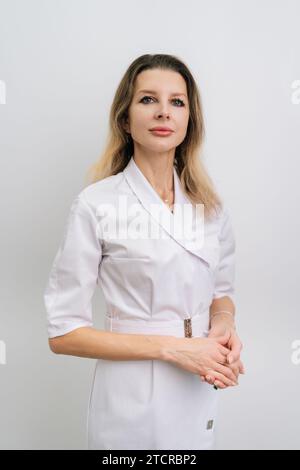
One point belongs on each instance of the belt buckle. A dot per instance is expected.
(188, 327)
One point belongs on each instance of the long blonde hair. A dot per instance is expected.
(194, 178)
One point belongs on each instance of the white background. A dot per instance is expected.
(61, 62)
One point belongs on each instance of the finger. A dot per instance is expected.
(242, 368)
(214, 375)
(220, 384)
(236, 347)
(236, 371)
(235, 367)
(213, 381)
(222, 359)
(224, 370)
(223, 350)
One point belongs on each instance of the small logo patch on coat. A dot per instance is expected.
(210, 424)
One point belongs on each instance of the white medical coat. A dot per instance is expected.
(150, 286)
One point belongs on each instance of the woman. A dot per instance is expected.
(169, 296)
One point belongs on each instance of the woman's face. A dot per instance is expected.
(164, 103)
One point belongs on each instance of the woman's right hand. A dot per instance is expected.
(200, 356)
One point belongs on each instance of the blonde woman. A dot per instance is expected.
(169, 340)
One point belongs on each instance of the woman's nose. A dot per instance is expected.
(164, 113)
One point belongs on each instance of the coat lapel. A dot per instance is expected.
(186, 225)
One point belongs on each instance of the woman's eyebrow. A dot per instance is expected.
(155, 93)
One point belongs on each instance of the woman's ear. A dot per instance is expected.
(126, 125)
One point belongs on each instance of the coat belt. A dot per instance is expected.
(195, 326)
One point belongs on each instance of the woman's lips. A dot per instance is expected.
(161, 133)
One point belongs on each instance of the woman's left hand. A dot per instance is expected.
(223, 328)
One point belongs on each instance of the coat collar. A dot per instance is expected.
(190, 231)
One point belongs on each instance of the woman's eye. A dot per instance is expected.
(145, 97)
(175, 99)
(180, 101)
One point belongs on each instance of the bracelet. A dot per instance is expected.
(212, 316)
(222, 311)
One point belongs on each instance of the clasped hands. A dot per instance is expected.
(225, 333)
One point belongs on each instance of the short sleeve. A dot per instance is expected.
(225, 271)
(74, 273)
